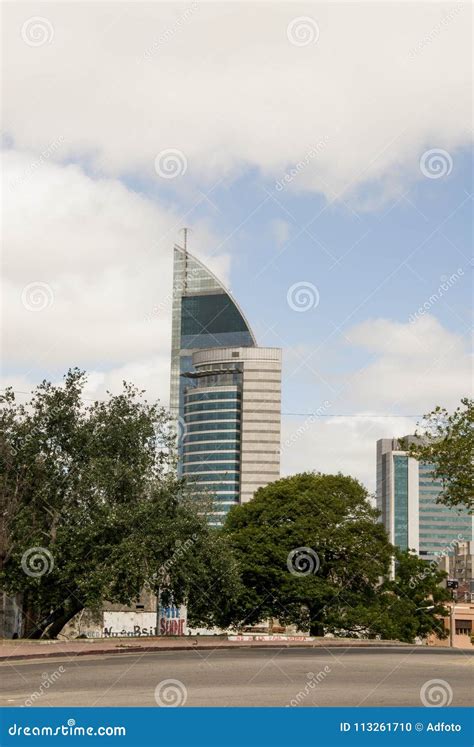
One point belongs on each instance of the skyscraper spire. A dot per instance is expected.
(185, 240)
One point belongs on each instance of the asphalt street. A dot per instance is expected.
(257, 677)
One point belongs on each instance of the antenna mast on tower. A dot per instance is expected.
(185, 242)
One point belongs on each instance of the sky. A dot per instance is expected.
(321, 156)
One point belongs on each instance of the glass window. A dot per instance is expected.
(193, 427)
(226, 482)
(228, 415)
(209, 406)
(204, 438)
(210, 314)
(204, 396)
(209, 457)
(206, 446)
(204, 466)
(401, 501)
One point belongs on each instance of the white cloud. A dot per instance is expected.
(150, 374)
(340, 444)
(223, 84)
(416, 366)
(120, 82)
(87, 271)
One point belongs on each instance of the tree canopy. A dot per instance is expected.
(447, 442)
(93, 510)
(312, 553)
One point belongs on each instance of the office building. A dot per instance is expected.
(225, 390)
(407, 494)
(232, 403)
(459, 566)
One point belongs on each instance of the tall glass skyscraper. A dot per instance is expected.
(204, 316)
(225, 390)
(407, 496)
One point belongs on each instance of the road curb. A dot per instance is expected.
(228, 646)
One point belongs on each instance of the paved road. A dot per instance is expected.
(341, 677)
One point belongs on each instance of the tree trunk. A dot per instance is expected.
(59, 623)
(52, 624)
(30, 616)
(36, 631)
(316, 628)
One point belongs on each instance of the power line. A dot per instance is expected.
(342, 415)
(294, 414)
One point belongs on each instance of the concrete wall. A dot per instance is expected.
(260, 414)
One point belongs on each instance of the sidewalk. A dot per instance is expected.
(13, 650)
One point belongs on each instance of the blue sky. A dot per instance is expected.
(366, 264)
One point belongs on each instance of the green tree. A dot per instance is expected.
(92, 507)
(309, 546)
(409, 604)
(312, 553)
(447, 442)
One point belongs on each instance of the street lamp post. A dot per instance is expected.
(451, 623)
(452, 584)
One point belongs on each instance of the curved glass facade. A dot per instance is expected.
(215, 364)
(213, 445)
(211, 461)
(193, 428)
(204, 316)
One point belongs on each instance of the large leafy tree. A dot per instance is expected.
(312, 553)
(93, 510)
(308, 545)
(447, 442)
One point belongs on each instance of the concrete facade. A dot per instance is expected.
(239, 435)
(460, 627)
(459, 567)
